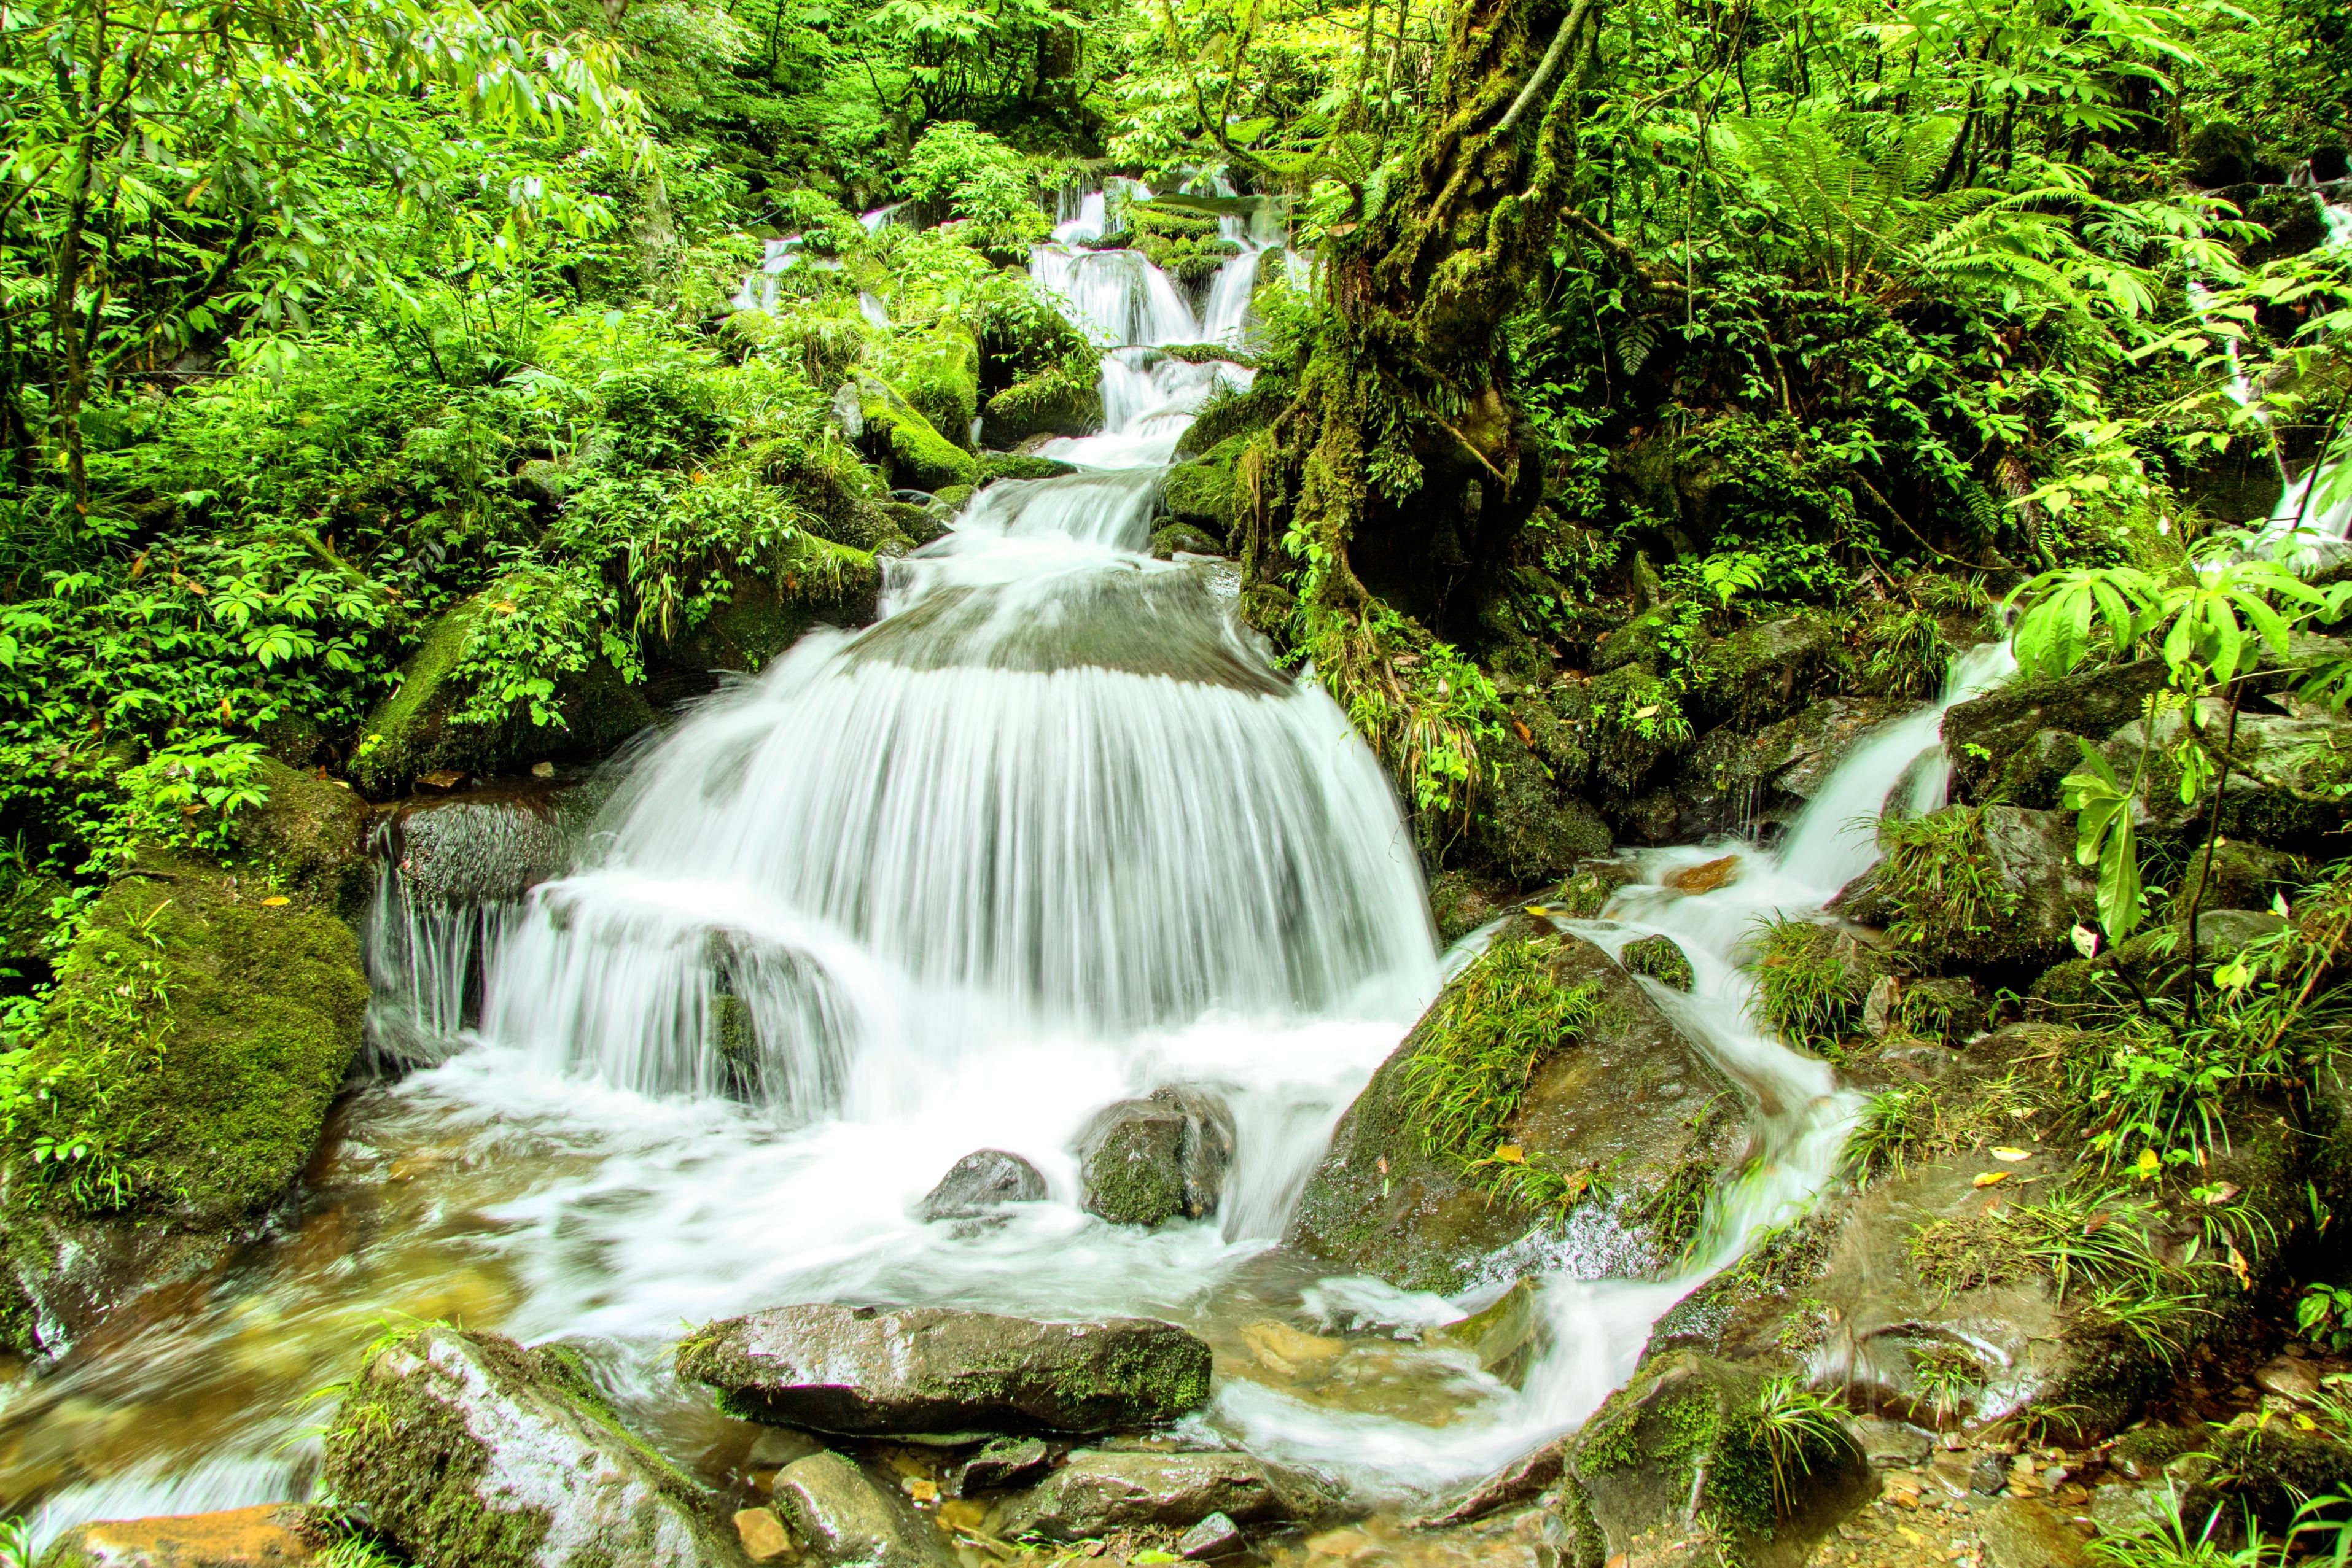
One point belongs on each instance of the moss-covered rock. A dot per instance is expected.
(414, 730)
(1659, 958)
(309, 838)
(939, 373)
(1144, 1162)
(1097, 1493)
(1994, 740)
(1691, 1439)
(1201, 492)
(468, 1448)
(1062, 400)
(200, 1026)
(1172, 539)
(1735, 780)
(899, 437)
(1231, 412)
(1013, 466)
(1526, 830)
(1622, 1132)
(2287, 783)
(936, 1369)
(1767, 669)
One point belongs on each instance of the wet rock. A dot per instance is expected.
(2031, 857)
(1462, 901)
(845, 1521)
(1735, 780)
(2020, 1532)
(2288, 1378)
(981, 1183)
(934, 1369)
(1629, 1094)
(260, 1003)
(1588, 889)
(1530, 833)
(1660, 958)
(1682, 1442)
(1523, 1477)
(1171, 539)
(1707, 877)
(1143, 1161)
(2015, 742)
(267, 1536)
(1003, 1463)
(1201, 493)
(1505, 1336)
(465, 1447)
(1892, 1445)
(1098, 1492)
(1216, 1536)
(1011, 466)
(1054, 401)
(474, 850)
(762, 1534)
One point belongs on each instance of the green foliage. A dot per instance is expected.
(1477, 1048)
(1936, 876)
(978, 179)
(1810, 984)
(2324, 1315)
(1799, 1429)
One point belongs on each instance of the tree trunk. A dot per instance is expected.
(1403, 470)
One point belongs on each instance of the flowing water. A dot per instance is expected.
(1051, 832)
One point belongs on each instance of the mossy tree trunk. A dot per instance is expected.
(1403, 469)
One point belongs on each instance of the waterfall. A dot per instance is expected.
(2313, 519)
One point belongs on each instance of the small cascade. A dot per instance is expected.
(2312, 522)
(451, 880)
(1599, 1326)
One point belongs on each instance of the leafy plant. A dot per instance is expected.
(1798, 1428)
(2324, 1315)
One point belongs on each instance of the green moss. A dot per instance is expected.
(1660, 959)
(1950, 906)
(1063, 401)
(1011, 465)
(193, 1044)
(1202, 492)
(1767, 669)
(1637, 722)
(938, 372)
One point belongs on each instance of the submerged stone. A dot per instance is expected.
(269, 1535)
(468, 1448)
(1216, 1536)
(1098, 1492)
(1005, 1462)
(935, 1369)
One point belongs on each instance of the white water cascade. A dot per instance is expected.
(1050, 833)
(2313, 520)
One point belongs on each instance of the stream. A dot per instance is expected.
(1053, 831)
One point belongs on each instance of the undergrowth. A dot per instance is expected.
(1811, 984)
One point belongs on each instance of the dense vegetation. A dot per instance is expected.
(1662, 368)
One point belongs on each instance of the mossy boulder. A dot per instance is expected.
(1526, 830)
(309, 838)
(1683, 1448)
(1624, 1096)
(1013, 466)
(1201, 492)
(1097, 1493)
(1232, 411)
(200, 1026)
(1767, 669)
(1063, 401)
(939, 373)
(1462, 901)
(1172, 539)
(898, 436)
(2287, 783)
(2015, 742)
(469, 1448)
(866, 1369)
(1145, 1162)
(415, 730)
(1735, 778)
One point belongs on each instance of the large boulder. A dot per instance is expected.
(199, 1030)
(935, 1369)
(310, 837)
(807, 582)
(1621, 1094)
(1062, 400)
(2017, 741)
(2285, 783)
(468, 1448)
(1767, 669)
(938, 372)
(459, 850)
(1144, 1162)
(1096, 1493)
(1202, 492)
(416, 729)
(1528, 832)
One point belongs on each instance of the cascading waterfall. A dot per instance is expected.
(1051, 832)
(2313, 519)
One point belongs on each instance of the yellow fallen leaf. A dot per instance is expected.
(922, 1490)
(1511, 1155)
(276, 900)
(1648, 712)
(1990, 1178)
(2303, 1422)
(2012, 1155)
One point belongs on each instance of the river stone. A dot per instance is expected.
(2015, 742)
(845, 1521)
(1733, 779)
(268, 1535)
(1005, 1462)
(1098, 1492)
(1633, 1096)
(981, 1183)
(465, 1447)
(1146, 1161)
(870, 1370)
(1216, 1536)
